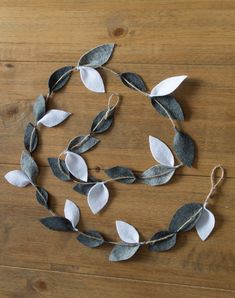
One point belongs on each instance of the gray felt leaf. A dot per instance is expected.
(57, 223)
(164, 244)
(97, 56)
(86, 143)
(84, 188)
(123, 252)
(53, 162)
(157, 175)
(29, 166)
(116, 172)
(171, 105)
(91, 239)
(100, 124)
(59, 78)
(130, 78)
(184, 148)
(42, 196)
(185, 218)
(39, 108)
(30, 138)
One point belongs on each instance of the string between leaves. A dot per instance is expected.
(214, 183)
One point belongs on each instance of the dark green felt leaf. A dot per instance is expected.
(91, 239)
(65, 175)
(97, 56)
(185, 218)
(117, 172)
(29, 166)
(82, 144)
(42, 196)
(122, 252)
(100, 124)
(30, 138)
(59, 78)
(165, 244)
(39, 108)
(130, 78)
(157, 175)
(57, 223)
(170, 104)
(84, 188)
(184, 148)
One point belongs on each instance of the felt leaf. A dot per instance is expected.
(54, 164)
(82, 144)
(90, 239)
(54, 117)
(157, 175)
(42, 196)
(169, 241)
(29, 166)
(76, 166)
(84, 188)
(185, 218)
(205, 224)
(30, 138)
(130, 78)
(161, 152)
(184, 148)
(92, 79)
(102, 123)
(72, 213)
(127, 232)
(39, 108)
(17, 178)
(97, 197)
(170, 104)
(97, 56)
(121, 172)
(122, 253)
(57, 223)
(167, 86)
(59, 78)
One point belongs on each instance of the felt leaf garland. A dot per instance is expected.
(92, 79)
(131, 79)
(127, 232)
(63, 173)
(76, 166)
(91, 239)
(53, 117)
(168, 242)
(82, 144)
(123, 252)
(184, 148)
(59, 78)
(170, 104)
(97, 56)
(124, 175)
(57, 223)
(102, 122)
(39, 108)
(30, 138)
(17, 178)
(167, 86)
(97, 197)
(42, 196)
(157, 175)
(160, 152)
(205, 224)
(72, 213)
(29, 166)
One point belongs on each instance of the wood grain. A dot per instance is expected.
(156, 39)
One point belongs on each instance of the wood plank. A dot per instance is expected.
(26, 243)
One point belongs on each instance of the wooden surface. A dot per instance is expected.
(156, 39)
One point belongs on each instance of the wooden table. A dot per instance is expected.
(156, 39)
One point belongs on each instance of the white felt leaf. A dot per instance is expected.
(17, 178)
(76, 166)
(167, 86)
(54, 117)
(127, 232)
(72, 213)
(205, 224)
(97, 197)
(92, 79)
(161, 152)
